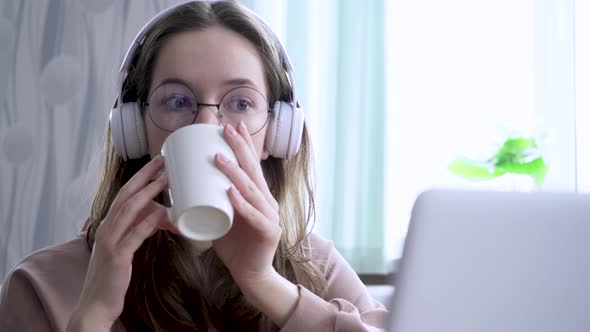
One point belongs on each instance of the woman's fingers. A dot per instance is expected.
(151, 207)
(240, 147)
(243, 130)
(258, 178)
(252, 215)
(132, 218)
(139, 180)
(130, 210)
(244, 184)
(243, 146)
(144, 229)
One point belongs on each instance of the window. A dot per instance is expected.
(466, 75)
(461, 77)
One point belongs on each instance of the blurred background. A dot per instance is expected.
(400, 95)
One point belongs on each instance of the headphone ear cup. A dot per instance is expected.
(297, 123)
(128, 131)
(283, 136)
(117, 132)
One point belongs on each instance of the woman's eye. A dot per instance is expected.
(178, 103)
(240, 105)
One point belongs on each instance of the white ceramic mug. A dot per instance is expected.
(200, 206)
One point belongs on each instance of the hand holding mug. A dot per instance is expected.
(248, 249)
(132, 218)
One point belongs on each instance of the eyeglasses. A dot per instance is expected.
(173, 105)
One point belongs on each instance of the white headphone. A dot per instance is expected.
(285, 125)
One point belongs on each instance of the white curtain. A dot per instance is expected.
(57, 62)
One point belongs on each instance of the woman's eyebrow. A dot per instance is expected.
(175, 80)
(239, 81)
(233, 82)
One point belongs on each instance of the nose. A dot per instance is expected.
(207, 114)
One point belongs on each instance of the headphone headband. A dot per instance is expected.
(284, 132)
(141, 35)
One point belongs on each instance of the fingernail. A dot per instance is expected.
(157, 176)
(243, 127)
(231, 130)
(232, 189)
(162, 176)
(222, 157)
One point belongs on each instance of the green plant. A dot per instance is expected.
(517, 156)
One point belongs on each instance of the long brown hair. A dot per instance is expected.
(171, 287)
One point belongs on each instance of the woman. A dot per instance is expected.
(131, 270)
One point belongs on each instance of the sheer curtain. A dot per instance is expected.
(338, 50)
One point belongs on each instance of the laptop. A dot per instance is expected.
(495, 262)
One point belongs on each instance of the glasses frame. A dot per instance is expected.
(219, 115)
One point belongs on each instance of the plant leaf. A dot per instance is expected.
(474, 170)
(515, 150)
(537, 169)
(517, 155)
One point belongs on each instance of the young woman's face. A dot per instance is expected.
(206, 64)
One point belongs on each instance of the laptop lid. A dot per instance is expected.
(495, 261)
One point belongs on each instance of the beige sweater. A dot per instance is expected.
(41, 292)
